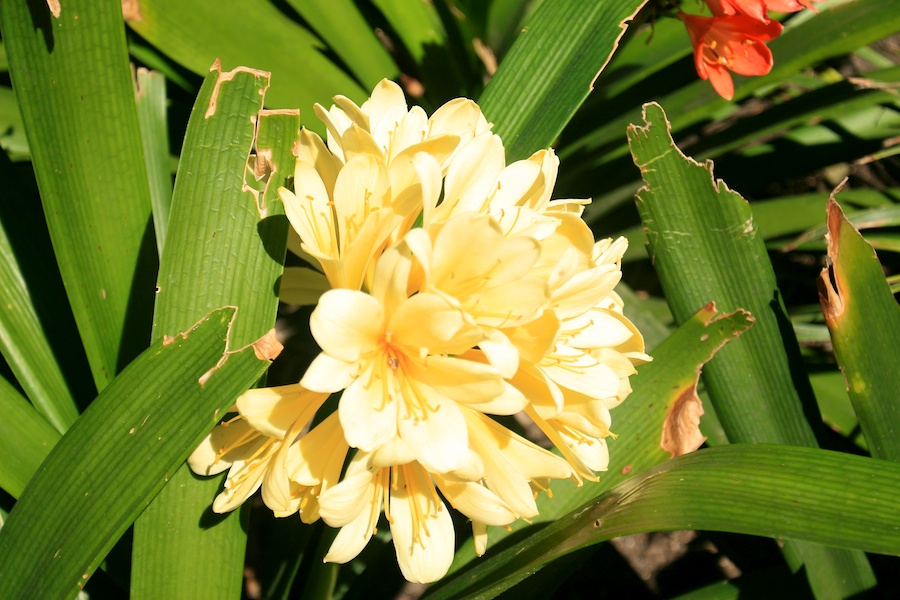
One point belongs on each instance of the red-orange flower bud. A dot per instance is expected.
(735, 43)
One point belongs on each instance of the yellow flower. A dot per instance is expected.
(420, 523)
(396, 358)
(385, 125)
(259, 449)
(585, 374)
(500, 302)
(362, 190)
(495, 487)
(343, 229)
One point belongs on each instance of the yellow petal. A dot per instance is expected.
(387, 97)
(353, 496)
(599, 328)
(312, 150)
(440, 439)
(534, 339)
(226, 443)
(593, 452)
(353, 112)
(475, 501)
(327, 374)
(279, 493)
(429, 321)
(466, 381)
(580, 470)
(367, 411)
(540, 390)
(511, 462)
(319, 455)
(308, 210)
(356, 141)
(500, 352)
(336, 121)
(244, 478)
(421, 527)
(458, 117)
(480, 537)
(272, 411)
(518, 180)
(352, 538)
(410, 130)
(472, 176)
(347, 324)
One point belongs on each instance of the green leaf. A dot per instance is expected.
(119, 454)
(25, 440)
(150, 99)
(226, 244)
(665, 385)
(341, 24)
(77, 104)
(733, 488)
(550, 69)
(864, 321)
(259, 35)
(22, 339)
(417, 23)
(705, 247)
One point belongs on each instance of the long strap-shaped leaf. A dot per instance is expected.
(864, 321)
(731, 488)
(150, 100)
(705, 247)
(73, 84)
(119, 454)
(23, 341)
(225, 245)
(258, 35)
(550, 70)
(342, 25)
(25, 440)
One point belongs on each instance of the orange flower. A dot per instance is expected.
(733, 43)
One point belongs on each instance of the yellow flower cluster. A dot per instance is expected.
(449, 288)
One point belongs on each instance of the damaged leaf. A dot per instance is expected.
(705, 246)
(681, 429)
(221, 210)
(118, 455)
(864, 321)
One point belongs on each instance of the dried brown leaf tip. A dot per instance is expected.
(267, 347)
(681, 429)
(829, 289)
(55, 8)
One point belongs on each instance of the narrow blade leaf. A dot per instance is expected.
(119, 454)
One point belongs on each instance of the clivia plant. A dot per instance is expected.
(341, 299)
